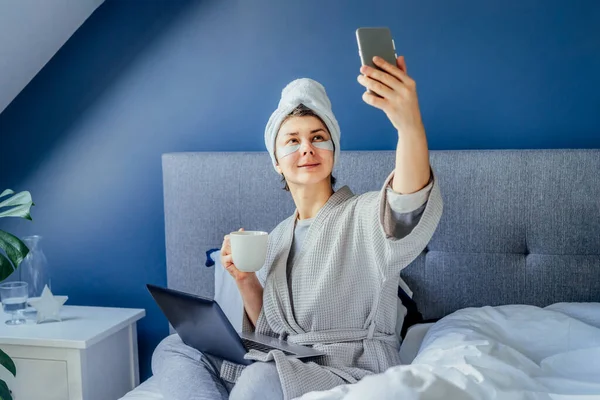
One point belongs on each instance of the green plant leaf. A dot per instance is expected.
(6, 267)
(6, 192)
(14, 248)
(19, 205)
(21, 211)
(19, 198)
(8, 363)
(4, 391)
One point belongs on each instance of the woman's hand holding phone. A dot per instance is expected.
(397, 91)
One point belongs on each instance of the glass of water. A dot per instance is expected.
(14, 300)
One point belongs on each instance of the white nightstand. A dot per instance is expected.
(91, 355)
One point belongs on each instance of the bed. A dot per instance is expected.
(519, 240)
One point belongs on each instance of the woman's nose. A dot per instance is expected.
(306, 148)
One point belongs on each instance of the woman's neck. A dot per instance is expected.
(310, 199)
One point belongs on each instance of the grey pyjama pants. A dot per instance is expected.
(184, 373)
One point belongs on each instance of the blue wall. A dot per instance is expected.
(142, 78)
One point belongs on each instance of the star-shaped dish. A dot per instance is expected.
(47, 305)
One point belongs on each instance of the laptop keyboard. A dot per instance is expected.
(261, 347)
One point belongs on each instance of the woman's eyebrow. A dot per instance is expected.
(313, 131)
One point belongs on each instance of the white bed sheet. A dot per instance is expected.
(507, 352)
(413, 339)
(484, 353)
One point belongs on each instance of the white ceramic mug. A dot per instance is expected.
(249, 249)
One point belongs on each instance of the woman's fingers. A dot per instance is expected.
(226, 246)
(381, 76)
(226, 257)
(227, 260)
(374, 101)
(375, 86)
(230, 266)
(386, 80)
(395, 71)
(401, 63)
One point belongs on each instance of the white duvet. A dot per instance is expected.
(506, 352)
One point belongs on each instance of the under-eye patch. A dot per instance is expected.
(287, 150)
(326, 145)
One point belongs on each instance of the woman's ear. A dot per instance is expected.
(278, 168)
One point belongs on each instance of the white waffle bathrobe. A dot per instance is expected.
(344, 297)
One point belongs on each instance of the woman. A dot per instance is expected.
(333, 268)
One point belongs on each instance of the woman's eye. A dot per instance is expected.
(292, 141)
(319, 137)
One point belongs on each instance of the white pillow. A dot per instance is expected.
(227, 294)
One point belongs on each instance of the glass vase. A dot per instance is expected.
(34, 268)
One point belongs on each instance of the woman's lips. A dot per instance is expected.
(308, 165)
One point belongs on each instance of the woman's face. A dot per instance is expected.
(304, 151)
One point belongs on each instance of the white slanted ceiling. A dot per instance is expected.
(31, 32)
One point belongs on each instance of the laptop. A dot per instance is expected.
(202, 324)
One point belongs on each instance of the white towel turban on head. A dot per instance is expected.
(312, 94)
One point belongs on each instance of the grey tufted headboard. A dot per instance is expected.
(519, 226)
